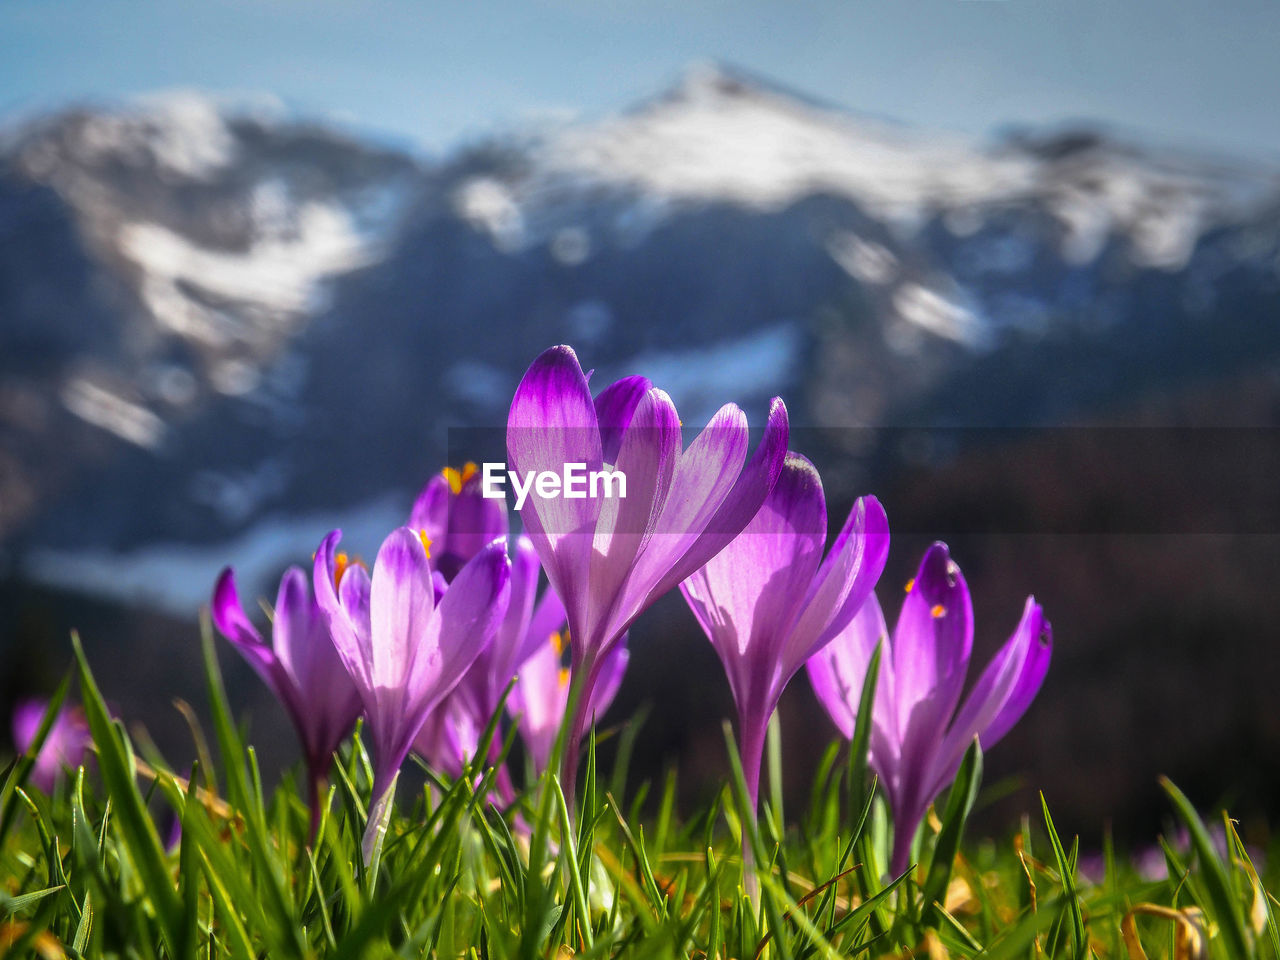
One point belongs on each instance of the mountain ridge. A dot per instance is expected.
(216, 285)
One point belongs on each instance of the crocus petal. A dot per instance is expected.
(931, 646)
(302, 667)
(704, 477)
(287, 670)
(401, 609)
(449, 737)
(538, 702)
(917, 737)
(292, 628)
(711, 501)
(354, 593)
(65, 744)
(844, 581)
(348, 625)
(509, 642)
(230, 620)
(1039, 641)
(1002, 694)
(464, 624)
(609, 679)
(327, 702)
(614, 408)
(553, 422)
(746, 597)
(432, 742)
(548, 618)
(473, 521)
(839, 669)
(457, 523)
(647, 457)
(430, 511)
(999, 698)
(27, 716)
(837, 672)
(932, 642)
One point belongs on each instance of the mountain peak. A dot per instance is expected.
(718, 81)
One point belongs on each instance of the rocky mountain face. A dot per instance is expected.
(224, 331)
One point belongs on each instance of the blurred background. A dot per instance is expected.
(263, 264)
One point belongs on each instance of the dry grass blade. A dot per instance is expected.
(1191, 942)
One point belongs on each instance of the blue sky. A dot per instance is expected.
(429, 73)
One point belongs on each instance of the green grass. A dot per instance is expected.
(85, 872)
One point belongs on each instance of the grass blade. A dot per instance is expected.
(964, 791)
(1226, 909)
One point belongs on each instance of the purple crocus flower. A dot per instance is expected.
(609, 558)
(300, 666)
(456, 518)
(770, 600)
(404, 647)
(64, 746)
(541, 694)
(920, 729)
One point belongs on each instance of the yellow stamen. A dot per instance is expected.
(911, 583)
(564, 676)
(559, 642)
(340, 564)
(426, 542)
(458, 478)
(938, 611)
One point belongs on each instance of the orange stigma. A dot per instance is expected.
(341, 563)
(910, 583)
(559, 642)
(426, 542)
(938, 611)
(563, 676)
(458, 478)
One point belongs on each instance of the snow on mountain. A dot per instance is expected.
(752, 368)
(229, 221)
(276, 279)
(182, 134)
(724, 136)
(212, 231)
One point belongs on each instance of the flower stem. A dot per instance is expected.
(379, 819)
(579, 721)
(751, 738)
(901, 857)
(317, 794)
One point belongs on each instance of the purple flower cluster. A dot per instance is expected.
(425, 643)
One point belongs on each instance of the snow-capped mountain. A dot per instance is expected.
(223, 330)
